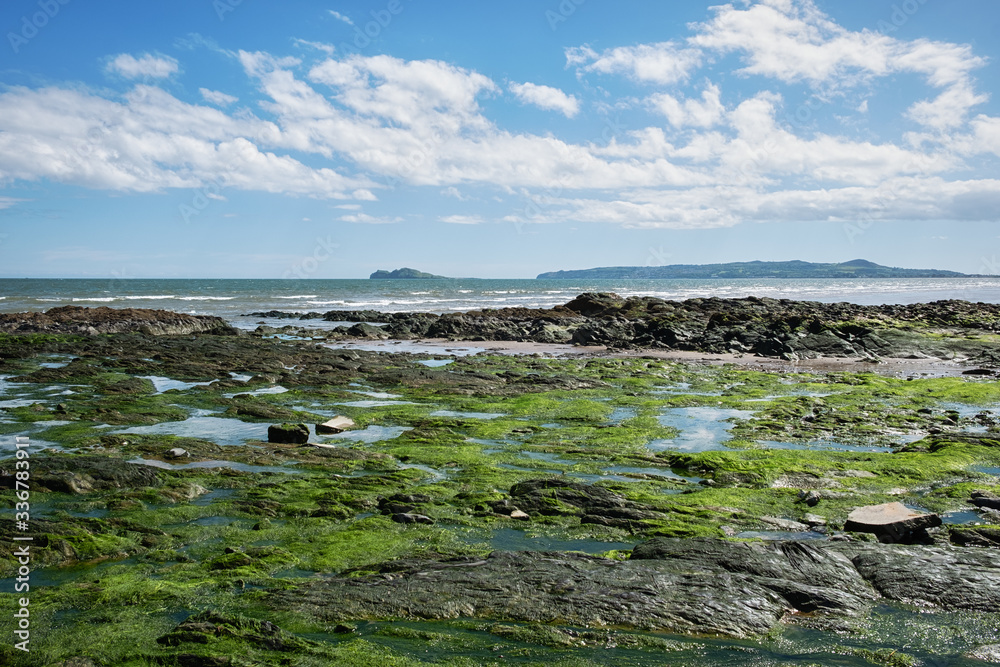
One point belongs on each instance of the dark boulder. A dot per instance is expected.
(986, 500)
(288, 434)
(407, 517)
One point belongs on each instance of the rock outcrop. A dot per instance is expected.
(104, 320)
(762, 326)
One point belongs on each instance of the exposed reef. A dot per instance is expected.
(762, 326)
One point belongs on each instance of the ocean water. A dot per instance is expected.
(232, 299)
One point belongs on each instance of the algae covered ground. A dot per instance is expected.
(147, 556)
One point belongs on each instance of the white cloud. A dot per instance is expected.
(148, 142)
(454, 193)
(726, 206)
(364, 218)
(216, 97)
(663, 63)
(146, 65)
(684, 113)
(340, 17)
(414, 93)
(328, 49)
(462, 219)
(546, 97)
(793, 41)
(949, 109)
(7, 202)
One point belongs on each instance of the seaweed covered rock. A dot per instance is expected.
(594, 504)
(209, 626)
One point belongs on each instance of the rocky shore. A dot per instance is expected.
(210, 499)
(778, 328)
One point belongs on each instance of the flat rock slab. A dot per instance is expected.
(338, 424)
(550, 587)
(688, 586)
(890, 522)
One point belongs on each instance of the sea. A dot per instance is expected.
(234, 300)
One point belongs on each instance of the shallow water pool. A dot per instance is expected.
(701, 429)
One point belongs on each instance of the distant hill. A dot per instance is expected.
(402, 274)
(856, 268)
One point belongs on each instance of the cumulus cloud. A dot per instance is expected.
(145, 66)
(687, 112)
(147, 142)
(546, 97)
(794, 41)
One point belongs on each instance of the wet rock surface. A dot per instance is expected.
(549, 587)
(703, 586)
(945, 577)
(82, 474)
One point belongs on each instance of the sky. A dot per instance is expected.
(308, 139)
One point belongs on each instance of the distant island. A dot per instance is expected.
(857, 268)
(402, 274)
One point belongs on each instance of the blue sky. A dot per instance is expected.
(238, 138)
